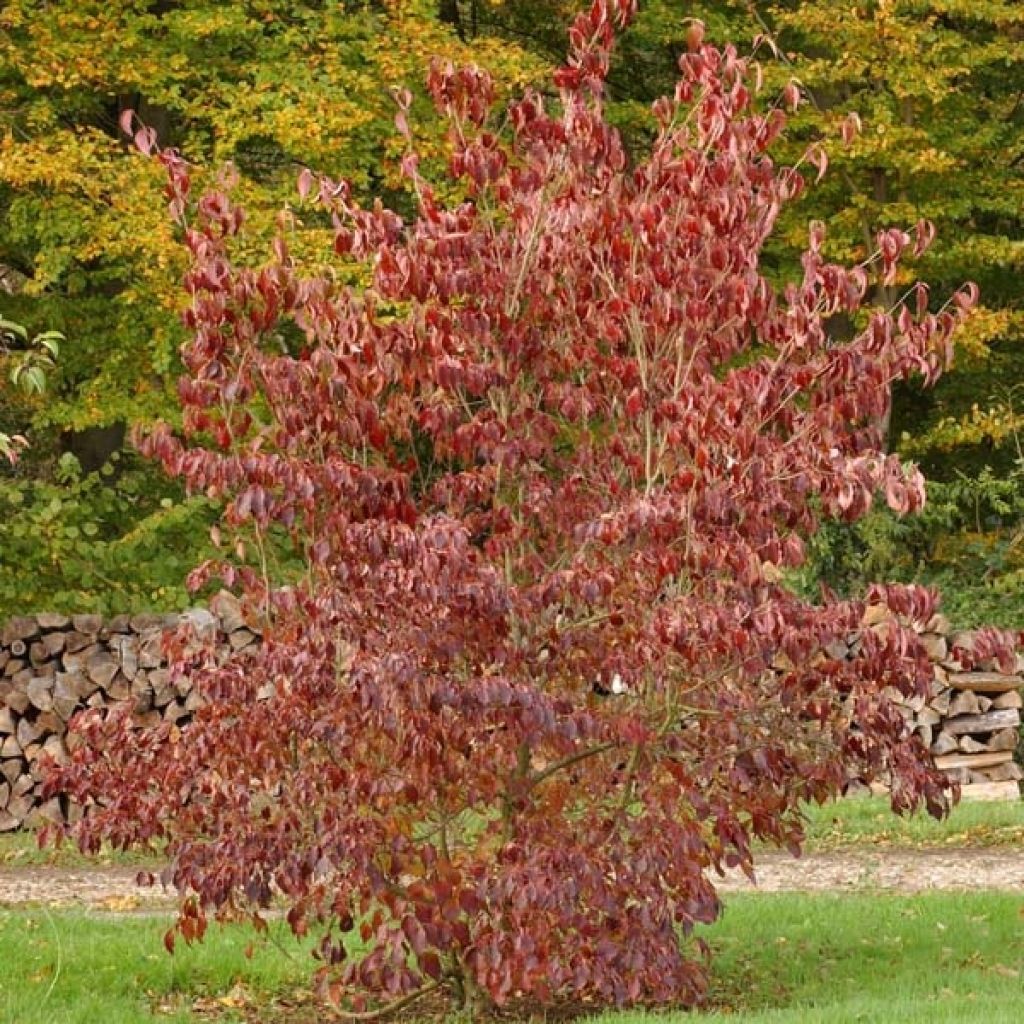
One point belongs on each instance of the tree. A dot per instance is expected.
(937, 86)
(270, 85)
(539, 675)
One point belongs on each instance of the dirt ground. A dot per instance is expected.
(114, 888)
(906, 870)
(99, 888)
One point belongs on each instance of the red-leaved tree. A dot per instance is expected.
(540, 677)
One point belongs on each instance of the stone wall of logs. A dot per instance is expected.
(971, 721)
(53, 665)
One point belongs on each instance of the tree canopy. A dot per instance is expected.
(270, 86)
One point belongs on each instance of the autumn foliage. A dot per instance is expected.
(539, 677)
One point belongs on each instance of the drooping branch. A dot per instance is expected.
(567, 762)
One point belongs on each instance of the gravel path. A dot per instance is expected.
(100, 888)
(114, 889)
(903, 870)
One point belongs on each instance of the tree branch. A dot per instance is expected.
(383, 1011)
(572, 759)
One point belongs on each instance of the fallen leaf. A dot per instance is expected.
(236, 998)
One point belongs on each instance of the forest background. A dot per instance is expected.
(271, 86)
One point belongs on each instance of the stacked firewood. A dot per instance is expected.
(54, 665)
(971, 721)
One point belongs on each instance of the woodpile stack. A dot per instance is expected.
(971, 721)
(54, 665)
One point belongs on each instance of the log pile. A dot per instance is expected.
(971, 721)
(54, 665)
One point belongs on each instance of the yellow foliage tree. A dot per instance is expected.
(269, 86)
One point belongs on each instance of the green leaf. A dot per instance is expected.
(50, 340)
(30, 379)
(11, 329)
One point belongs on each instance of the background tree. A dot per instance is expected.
(24, 361)
(276, 84)
(270, 85)
(938, 88)
(206, 75)
(566, 438)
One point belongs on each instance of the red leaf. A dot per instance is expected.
(430, 964)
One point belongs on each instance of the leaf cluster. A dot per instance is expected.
(104, 542)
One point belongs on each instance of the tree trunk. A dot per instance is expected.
(448, 12)
(94, 445)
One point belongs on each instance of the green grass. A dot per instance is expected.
(940, 958)
(869, 821)
(932, 958)
(21, 849)
(74, 968)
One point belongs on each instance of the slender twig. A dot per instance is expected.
(568, 762)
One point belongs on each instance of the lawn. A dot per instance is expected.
(781, 958)
(784, 958)
(76, 968)
(869, 821)
(935, 957)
